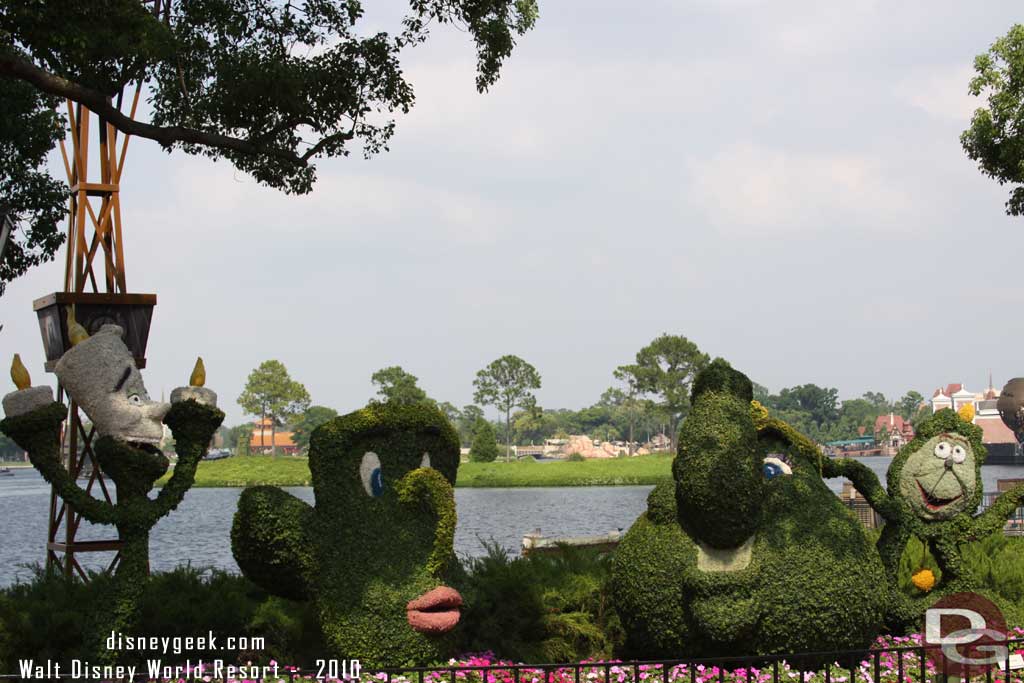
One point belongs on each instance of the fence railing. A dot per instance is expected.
(913, 663)
(872, 520)
(909, 664)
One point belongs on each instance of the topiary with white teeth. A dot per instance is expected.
(747, 552)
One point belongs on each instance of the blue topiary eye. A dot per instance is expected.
(371, 475)
(775, 466)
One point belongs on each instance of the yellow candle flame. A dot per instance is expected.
(198, 377)
(76, 333)
(19, 373)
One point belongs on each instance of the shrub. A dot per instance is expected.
(575, 457)
(183, 602)
(485, 443)
(540, 608)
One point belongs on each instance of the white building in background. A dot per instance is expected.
(955, 396)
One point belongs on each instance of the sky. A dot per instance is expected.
(780, 182)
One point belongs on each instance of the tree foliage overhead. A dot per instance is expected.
(995, 138)
(29, 128)
(270, 85)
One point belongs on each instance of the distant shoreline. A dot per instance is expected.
(283, 470)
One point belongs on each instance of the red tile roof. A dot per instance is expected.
(993, 430)
(949, 390)
(280, 439)
(891, 422)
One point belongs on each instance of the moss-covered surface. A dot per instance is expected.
(647, 587)
(932, 492)
(380, 533)
(134, 470)
(811, 579)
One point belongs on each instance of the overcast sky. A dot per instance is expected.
(780, 182)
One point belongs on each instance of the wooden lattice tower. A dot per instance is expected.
(95, 288)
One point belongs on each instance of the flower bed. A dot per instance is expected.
(895, 659)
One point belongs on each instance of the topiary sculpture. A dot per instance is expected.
(375, 553)
(100, 374)
(749, 552)
(933, 489)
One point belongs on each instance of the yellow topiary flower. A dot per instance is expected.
(758, 412)
(966, 412)
(924, 579)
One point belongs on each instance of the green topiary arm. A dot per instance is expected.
(270, 541)
(865, 481)
(193, 426)
(38, 432)
(429, 486)
(994, 518)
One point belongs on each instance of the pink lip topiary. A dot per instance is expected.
(375, 553)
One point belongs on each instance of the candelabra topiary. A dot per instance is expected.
(375, 553)
(100, 375)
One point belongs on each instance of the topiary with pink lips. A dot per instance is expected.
(375, 553)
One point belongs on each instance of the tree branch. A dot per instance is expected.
(13, 67)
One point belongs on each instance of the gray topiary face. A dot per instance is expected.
(939, 479)
(100, 375)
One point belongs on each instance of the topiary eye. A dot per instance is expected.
(370, 473)
(959, 454)
(943, 450)
(426, 460)
(775, 467)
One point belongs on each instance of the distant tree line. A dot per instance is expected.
(648, 397)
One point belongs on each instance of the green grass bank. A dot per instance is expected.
(252, 470)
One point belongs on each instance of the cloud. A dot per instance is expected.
(940, 92)
(748, 186)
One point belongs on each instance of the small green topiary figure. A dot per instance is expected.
(933, 489)
(749, 552)
(375, 553)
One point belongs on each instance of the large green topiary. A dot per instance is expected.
(379, 536)
(753, 554)
(934, 486)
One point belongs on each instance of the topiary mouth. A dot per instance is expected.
(436, 611)
(146, 447)
(933, 502)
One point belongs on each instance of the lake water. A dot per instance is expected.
(198, 531)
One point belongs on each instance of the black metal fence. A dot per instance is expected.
(1015, 524)
(872, 520)
(912, 663)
